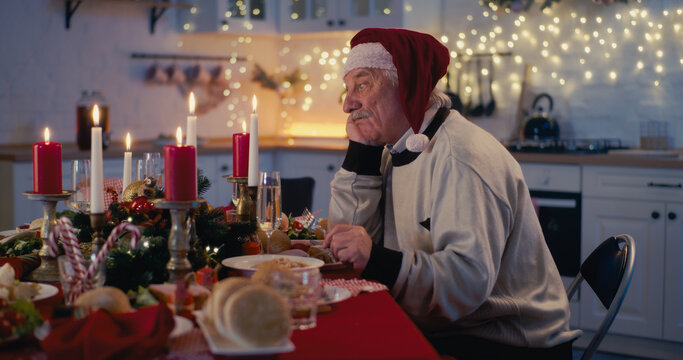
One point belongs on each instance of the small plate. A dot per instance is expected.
(182, 326)
(334, 294)
(246, 263)
(45, 291)
(222, 346)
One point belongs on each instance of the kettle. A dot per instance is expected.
(540, 125)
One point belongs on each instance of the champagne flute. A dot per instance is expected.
(268, 204)
(80, 184)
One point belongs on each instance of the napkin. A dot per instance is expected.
(22, 265)
(141, 334)
(356, 286)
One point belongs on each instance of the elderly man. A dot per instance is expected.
(437, 209)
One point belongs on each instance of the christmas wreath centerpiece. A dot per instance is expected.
(128, 268)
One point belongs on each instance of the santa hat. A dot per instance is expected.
(420, 61)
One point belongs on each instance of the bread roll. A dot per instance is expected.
(221, 292)
(257, 315)
(106, 298)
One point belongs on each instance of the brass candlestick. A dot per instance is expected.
(246, 205)
(48, 270)
(178, 241)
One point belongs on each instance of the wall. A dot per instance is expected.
(44, 67)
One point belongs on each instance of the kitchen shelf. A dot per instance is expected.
(158, 7)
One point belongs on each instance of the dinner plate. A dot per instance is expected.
(334, 294)
(246, 263)
(220, 345)
(182, 326)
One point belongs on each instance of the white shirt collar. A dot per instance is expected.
(400, 145)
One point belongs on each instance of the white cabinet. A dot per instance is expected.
(645, 203)
(673, 274)
(641, 312)
(328, 15)
(320, 165)
(229, 16)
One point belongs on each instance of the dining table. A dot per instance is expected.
(367, 325)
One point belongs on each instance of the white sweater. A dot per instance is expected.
(483, 267)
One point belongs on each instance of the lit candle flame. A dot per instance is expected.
(127, 141)
(192, 102)
(179, 136)
(253, 104)
(47, 135)
(96, 115)
(244, 127)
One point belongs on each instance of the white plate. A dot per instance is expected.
(45, 291)
(182, 326)
(246, 263)
(334, 294)
(222, 346)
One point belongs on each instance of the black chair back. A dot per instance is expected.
(604, 269)
(297, 195)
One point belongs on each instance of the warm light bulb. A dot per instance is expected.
(254, 102)
(588, 75)
(179, 136)
(46, 134)
(640, 65)
(96, 115)
(128, 141)
(613, 75)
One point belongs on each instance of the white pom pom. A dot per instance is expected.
(417, 142)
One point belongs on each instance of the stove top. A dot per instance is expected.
(565, 146)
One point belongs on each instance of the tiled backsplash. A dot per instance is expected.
(44, 67)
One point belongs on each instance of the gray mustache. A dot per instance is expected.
(359, 114)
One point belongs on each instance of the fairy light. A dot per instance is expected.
(588, 75)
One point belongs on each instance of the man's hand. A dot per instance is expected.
(355, 133)
(350, 243)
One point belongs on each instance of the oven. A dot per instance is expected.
(556, 193)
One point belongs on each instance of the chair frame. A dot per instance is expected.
(618, 297)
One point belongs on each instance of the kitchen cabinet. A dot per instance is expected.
(299, 16)
(321, 166)
(645, 203)
(230, 16)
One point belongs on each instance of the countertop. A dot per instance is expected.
(70, 151)
(638, 158)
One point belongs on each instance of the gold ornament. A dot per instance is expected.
(140, 187)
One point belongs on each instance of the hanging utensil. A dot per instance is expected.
(479, 109)
(456, 103)
(491, 106)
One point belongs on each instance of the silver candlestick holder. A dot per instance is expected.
(48, 270)
(178, 241)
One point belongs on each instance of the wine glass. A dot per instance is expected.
(80, 184)
(268, 204)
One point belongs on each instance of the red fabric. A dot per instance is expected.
(22, 264)
(368, 326)
(420, 61)
(136, 335)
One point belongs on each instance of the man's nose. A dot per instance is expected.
(350, 104)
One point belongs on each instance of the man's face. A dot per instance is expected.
(374, 107)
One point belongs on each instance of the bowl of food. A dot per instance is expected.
(248, 264)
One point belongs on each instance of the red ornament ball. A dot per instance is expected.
(139, 204)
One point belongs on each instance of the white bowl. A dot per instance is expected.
(246, 264)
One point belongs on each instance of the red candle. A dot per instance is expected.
(47, 166)
(180, 171)
(240, 153)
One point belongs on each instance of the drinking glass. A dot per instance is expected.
(80, 184)
(67, 277)
(302, 289)
(268, 204)
(235, 195)
(150, 165)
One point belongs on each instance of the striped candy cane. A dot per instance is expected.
(73, 251)
(122, 227)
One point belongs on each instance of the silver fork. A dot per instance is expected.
(307, 218)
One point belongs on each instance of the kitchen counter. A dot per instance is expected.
(219, 146)
(213, 146)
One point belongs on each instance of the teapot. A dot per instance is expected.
(540, 125)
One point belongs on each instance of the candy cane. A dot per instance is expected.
(135, 236)
(51, 243)
(73, 251)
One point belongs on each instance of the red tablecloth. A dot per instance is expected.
(367, 326)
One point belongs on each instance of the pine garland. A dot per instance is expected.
(129, 268)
